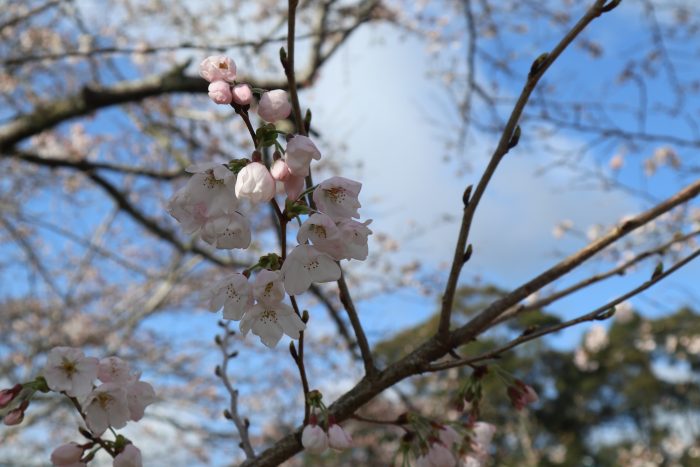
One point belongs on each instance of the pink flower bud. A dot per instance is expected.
(314, 439)
(218, 67)
(67, 454)
(521, 394)
(274, 106)
(294, 186)
(280, 170)
(338, 438)
(8, 395)
(242, 94)
(300, 150)
(220, 92)
(15, 416)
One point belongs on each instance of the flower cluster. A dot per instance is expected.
(211, 205)
(119, 397)
(437, 444)
(220, 71)
(315, 438)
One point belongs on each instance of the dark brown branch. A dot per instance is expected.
(365, 351)
(85, 165)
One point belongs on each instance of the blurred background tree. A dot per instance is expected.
(101, 110)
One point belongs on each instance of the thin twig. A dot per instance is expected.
(508, 140)
(591, 316)
(232, 413)
(299, 360)
(618, 270)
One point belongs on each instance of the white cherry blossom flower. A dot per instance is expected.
(483, 433)
(354, 238)
(107, 406)
(323, 233)
(337, 197)
(268, 287)
(210, 192)
(129, 457)
(255, 183)
(314, 439)
(270, 321)
(227, 231)
(304, 265)
(114, 370)
(139, 395)
(300, 151)
(68, 369)
(233, 294)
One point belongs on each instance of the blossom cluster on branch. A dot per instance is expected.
(212, 204)
(119, 397)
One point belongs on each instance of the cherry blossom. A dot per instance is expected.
(437, 456)
(129, 457)
(227, 231)
(337, 197)
(242, 94)
(233, 294)
(268, 287)
(107, 406)
(139, 395)
(300, 151)
(114, 370)
(270, 321)
(314, 439)
(323, 233)
(483, 433)
(68, 369)
(354, 239)
(218, 67)
(274, 106)
(210, 192)
(304, 265)
(294, 186)
(67, 455)
(255, 183)
(280, 170)
(448, 436)
(338, 438)
(220, 92)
